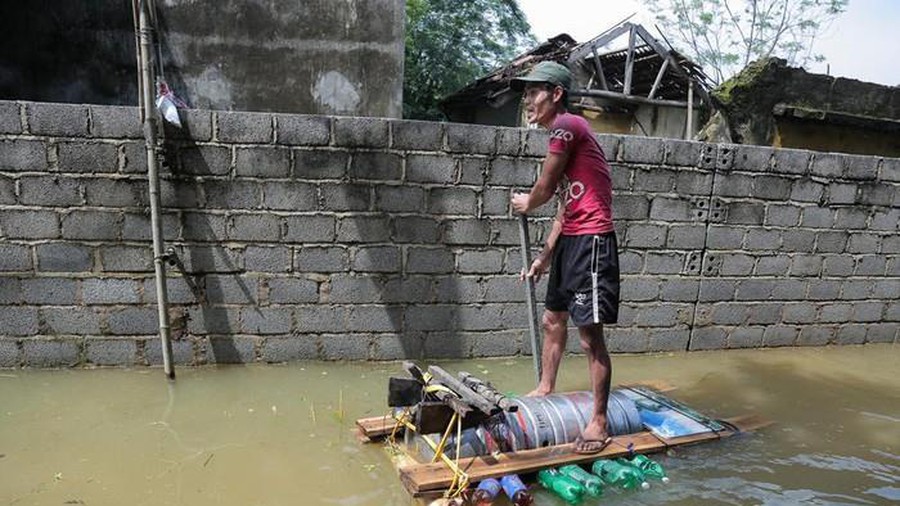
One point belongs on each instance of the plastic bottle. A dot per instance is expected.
(487, 491)
(592, 484)
(516, 490)
(620, 475)
(650, 468)
(567, 488)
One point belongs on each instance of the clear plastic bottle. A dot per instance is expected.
(516, 490)
(592, 484)
(563, 486)
(621, 475)
(650, 468)
(487, 491)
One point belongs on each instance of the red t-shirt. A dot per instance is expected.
(586, 185)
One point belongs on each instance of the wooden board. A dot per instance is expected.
(377, 427)
(425, 479)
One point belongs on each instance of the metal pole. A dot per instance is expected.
(149, 121)
(533, 326)
(689, 134)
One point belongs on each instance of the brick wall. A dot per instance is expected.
(303, 237)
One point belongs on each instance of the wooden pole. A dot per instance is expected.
(150, 141)
(689, 134)
(533, 326)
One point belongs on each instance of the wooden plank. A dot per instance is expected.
(420, 479)
(659, 76)
(627, 98)
(629, 63)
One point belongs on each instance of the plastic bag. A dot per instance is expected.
(167, 104)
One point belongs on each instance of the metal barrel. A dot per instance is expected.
(543, 421)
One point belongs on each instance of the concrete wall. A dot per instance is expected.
(313, 237)
(314, 56)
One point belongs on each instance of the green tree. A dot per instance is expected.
(725, 35)
(450, 43)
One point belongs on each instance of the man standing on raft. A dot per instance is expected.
(581, 250)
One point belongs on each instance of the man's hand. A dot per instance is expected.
(520, 202)
(538, 267)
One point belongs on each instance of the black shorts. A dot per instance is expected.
(584, 278)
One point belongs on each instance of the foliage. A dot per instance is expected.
(450, 43)
(725, 35)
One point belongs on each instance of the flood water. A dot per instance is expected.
(281, 435)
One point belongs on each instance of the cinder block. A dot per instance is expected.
(197, 258)
(831, 242)
(779, 336)
(262, 161)
(356, 229)
(834, 313)
(677, 290)
(823, 289)
(752, 158)
(430, 317)
(645, 150)
(321, 318)
(91, 225)
(9, 349)
(266, 320)
(203, 227)
(50, 191)
(885, 289)
(51, 353)
(655, 180)
(883, 333)
(838, 265)
(320, 164)
(667, 315)
(841, 193)
(376, 259)
(23, 156)
(207, 160)
(806, 265)
(645, 236)
(686, 237)
(798, 240)
(754, 289)
(886, 220)
(519, 172)
(103, 192)
(622, 178)
(787, 216)
(254, 228)
(828, 165)
(293, 290)
(406, 289)
(10, 122)
(509, 141)
(682, 153)
(414, 229)
(770, 188)
(345, 197)
(802, 312)
(87, 157)
(116, 122)
(232, 194)
(56, 291)
(804, 190)
(232, 289)
(736, 264)
(231, 349)
(867, 311)
(851, 218)
(196, 125)
(733, 185)
(496, 344)
(7, 190)
(429, 260)
(724, 238)
(856, 289)
(473, 171)
(670, 209)
(101, 351)
(639, 289)
(177, 194)
(18, 320)
(861, 167)
(691, 182)
(133, 321)
(360, 132)
(452, 201)
(180, 289)
(707, 338)
(471, 139)
(289, 348)
(485, 262)
(745, 337)
(15, 257)
(309, 229)
(876, 194)
(772, 265)
(417, 135)
(790, 161)
(864, 243)
(662, 340)
(377, 318)
(851, 334)
(631, 262)
(301, 130)
(291, 196)
(466, 232)
(871, 265)
(275, 259)
(376, 166)
(63, 257)
(663, 263)
(110, 291)
(467, 289)
(764, 313)
(536, 142)
(402, 199)
(205, 319)
(815, 335)
(244, 127)
(61, 120)
(430, 169)
(890, 169)
(630, 207)
(345, 347)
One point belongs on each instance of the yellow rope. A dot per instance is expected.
(440, 447)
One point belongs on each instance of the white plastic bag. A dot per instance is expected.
(167, 104)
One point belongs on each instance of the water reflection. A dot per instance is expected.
(239, 435)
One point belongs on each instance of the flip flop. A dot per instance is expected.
(590, 446)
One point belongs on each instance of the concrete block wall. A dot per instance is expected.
(312, 237)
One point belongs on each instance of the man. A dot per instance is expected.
(581, 250)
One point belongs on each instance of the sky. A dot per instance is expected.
(863, 43)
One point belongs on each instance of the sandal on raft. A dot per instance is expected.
(590, 446)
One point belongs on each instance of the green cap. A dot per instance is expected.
(545, 72)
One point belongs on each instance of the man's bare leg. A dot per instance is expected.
(554, 326)
(600, 368)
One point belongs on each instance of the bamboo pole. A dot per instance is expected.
(533, 327)
(148, 116)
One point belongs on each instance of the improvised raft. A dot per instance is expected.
(448, 433)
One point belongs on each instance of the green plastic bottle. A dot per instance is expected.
(592, 484)
(621, 475)
(650, 468)
(567, 488)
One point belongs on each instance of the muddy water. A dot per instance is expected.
(273, 435)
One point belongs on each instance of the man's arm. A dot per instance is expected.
(551, 173)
